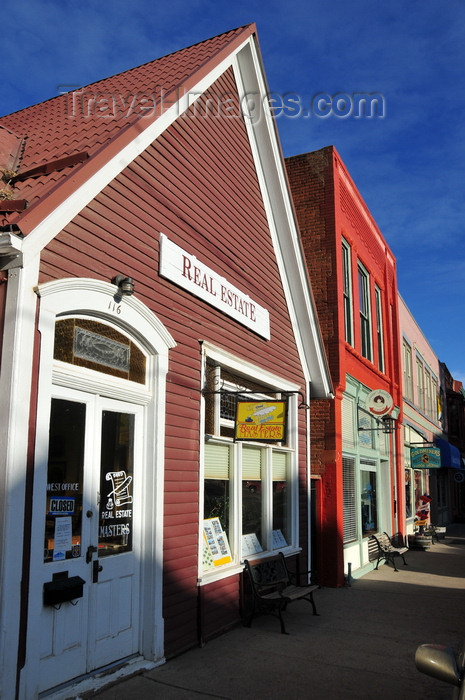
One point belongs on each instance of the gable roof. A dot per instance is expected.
(68, 151)
(46, 143)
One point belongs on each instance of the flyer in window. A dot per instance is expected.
(62, 539)
(216, 545)
(278, 539)
(250, 545)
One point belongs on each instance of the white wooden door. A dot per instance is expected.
(92, 532)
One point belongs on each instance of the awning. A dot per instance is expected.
(450, 455)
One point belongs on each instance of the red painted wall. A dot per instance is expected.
(197, 184)
(329, 207)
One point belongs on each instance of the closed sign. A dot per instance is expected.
(58, 506)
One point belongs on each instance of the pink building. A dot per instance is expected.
(430, 461)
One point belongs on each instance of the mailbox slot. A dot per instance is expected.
(63, 589)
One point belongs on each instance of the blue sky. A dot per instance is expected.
(408, 165)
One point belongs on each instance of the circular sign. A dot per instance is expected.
(379, 402)
(459, 477)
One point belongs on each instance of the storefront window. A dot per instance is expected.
(408, 494)
(247, 486)
(280, 499)
(369, 507)
(252, 497)
(65, 473)
(350, 508)
(216, 488)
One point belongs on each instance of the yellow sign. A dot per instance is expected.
(261, 420)
(216, 550)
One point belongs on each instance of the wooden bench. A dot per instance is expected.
(274, 587)
(389, 548)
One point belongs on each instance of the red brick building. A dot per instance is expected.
(356, 459)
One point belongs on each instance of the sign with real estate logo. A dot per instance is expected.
(263, 421)
(425, 457)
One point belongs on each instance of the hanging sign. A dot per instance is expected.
(191, 274)
(425, 457)
(263, 421)
(379, 403)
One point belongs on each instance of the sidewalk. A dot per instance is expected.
(361, 647)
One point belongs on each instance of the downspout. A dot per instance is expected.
(309, 482)
(15, 387)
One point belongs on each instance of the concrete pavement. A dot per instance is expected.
(361, 647)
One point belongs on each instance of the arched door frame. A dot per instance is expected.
(96, 300)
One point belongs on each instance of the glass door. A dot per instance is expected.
(91, 535)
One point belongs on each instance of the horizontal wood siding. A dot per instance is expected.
(198, 185)
(219, 606)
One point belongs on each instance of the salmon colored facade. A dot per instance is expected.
(154, 277)
(356, 462)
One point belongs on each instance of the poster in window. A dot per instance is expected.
(250, 545)
(216, 545)
(262, 421)
(278, 539)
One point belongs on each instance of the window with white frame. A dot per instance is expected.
(349, 499)
(379, 328)
(347, 293)
(368, 497)
(420, 385)
(428, 395)
(408, 382)
(249, 489)
(435, 399)
(364, 305)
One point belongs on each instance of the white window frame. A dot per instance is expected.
(408, 378)
(365, 313)
(276, 385)
(379, 328)
(420, 384)
(347, 293)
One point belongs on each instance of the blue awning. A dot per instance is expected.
(450, 455)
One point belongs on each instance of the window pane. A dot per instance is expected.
(408, 494)
(216, 484)
(216, 501)
(365, 327)
(347, 293)
(369, 509)
(350, 515)
(94, 345)
(252, 494)
(116, 483)
(65, 481)
(281, 535)
(379, 329)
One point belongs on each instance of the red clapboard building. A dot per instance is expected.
(159, 354)
(357, 447)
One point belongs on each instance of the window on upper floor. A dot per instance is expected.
(408, 383)
(347, 293)
(379, 328)
(365, 320)
(420, 385)
(428, 394)
(435, 399)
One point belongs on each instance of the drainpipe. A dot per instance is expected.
(20, 305)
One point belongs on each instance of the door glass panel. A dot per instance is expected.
(63, 515)
(116, 483)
